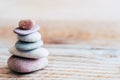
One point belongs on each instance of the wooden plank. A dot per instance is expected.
(71, 64)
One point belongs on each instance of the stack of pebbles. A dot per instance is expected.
(27, 54)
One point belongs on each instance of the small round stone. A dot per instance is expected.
(34, 54)
(33, 37)
(26, 24)
(28, 45)
(25, 65)
(26, 32)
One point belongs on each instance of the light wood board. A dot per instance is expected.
(67, 63)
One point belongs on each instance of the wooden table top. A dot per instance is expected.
(67, 63)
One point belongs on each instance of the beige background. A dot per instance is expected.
(60, 9)
(93, 22)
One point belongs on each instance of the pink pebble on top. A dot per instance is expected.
(26, 24)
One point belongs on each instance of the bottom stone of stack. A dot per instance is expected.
(26, 65)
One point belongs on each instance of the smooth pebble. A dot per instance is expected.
(26, 32)
(24, 65)
(28, 45)
(33, 37)
(35, 54)
(26, 24)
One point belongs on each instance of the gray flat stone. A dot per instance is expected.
(28, 45)
(26, 32)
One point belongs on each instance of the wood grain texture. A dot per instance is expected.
(71, 64)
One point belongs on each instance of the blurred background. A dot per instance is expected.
(70, 22)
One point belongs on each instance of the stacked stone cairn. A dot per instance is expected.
(28, 54)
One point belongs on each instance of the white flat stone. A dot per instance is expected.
(33, 37)
(35, 54)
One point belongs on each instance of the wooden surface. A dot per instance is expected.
(71, 63)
